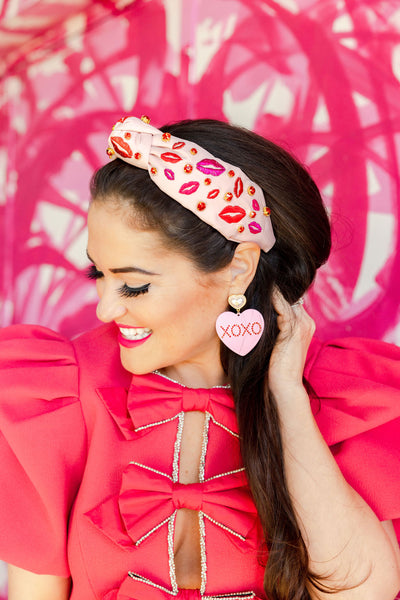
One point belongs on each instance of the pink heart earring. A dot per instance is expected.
(240, 332)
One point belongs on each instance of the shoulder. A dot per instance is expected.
(36, 362)
(354, 385)
(348, 363)
(32, 342)
(42, 434)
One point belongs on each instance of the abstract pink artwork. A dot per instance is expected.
(320, 77)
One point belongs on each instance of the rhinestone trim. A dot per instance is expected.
(156, 423)
(204, 446)
(171, 557)
(146, 535)
(177, 448)
(225, 527)
(232, 596)
(149, 582)
(171, 520)
(240, 469)
(229, 596)
(133, 462)
(203, 554)
(223, 387)
(224, 427)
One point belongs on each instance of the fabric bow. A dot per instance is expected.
(153, 398)
(135, 587)
(217, 192)
(149, 498)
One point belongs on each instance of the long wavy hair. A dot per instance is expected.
(302, 245)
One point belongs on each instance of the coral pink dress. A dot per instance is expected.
(90, 458)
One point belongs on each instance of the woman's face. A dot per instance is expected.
(164, 307)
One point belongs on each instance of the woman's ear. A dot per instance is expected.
(243, 266)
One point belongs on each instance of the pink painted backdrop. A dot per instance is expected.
(320, 77)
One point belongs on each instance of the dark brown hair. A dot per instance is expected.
(302, 245)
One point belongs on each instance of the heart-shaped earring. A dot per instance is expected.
(237, 301)
(240, 332)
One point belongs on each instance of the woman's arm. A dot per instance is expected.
(24, 585)
(347, 544)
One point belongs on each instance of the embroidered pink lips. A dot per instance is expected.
(131, 337)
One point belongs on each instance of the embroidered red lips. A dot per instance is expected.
(189, 188)
(238, 187)
(210, 166)
(121, 147)
(175, 164)
(232, 214)
(171, 157)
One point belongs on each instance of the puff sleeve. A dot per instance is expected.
(42, 447)
(355, 394)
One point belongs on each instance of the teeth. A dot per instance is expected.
(134, 333)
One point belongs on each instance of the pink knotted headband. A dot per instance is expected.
(217, 192)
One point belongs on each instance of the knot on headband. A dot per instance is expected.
(217, 192)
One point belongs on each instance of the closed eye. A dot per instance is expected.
(131, 292)
(125, 290)
(93, 273)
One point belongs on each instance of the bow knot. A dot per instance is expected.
(138, 148)
(187, 495)
(194, 399)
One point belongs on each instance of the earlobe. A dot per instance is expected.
(243, 266)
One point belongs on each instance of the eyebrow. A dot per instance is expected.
(126, 269)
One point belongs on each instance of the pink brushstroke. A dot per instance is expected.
(64, 93)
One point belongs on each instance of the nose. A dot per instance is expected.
(110, 306)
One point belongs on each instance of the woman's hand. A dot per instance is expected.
(288, 357)
(348, 547)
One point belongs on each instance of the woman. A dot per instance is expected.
(140, 491)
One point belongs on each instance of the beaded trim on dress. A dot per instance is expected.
(214, 387)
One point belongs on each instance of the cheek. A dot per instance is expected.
(99, 287)
(202, 309)
(194, 310)
(211, 301)
(178, 315)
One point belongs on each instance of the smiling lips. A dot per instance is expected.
(132, 336)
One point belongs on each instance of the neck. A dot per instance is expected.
(196, 376)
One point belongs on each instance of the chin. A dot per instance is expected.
(136, 367)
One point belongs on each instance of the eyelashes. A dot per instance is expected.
(93, 273)
(130, 292)
(125, 291)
